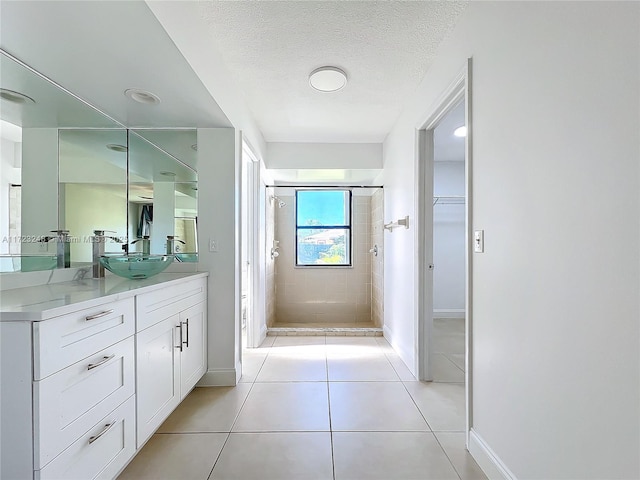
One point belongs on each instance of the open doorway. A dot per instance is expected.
(444, 241)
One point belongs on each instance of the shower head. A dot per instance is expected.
(280, 202)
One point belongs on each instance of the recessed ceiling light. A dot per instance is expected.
(142, 96)
(168, 174)
(194, 147)
(460, 131)
(15, 97)
(117, 148)
(328, 79)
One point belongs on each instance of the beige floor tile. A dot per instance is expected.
(458, 359)
(390, 455)
(285, 341)
(373, 406)
(361, 368)
(176, 456)
(446, 343)
(384, 345)
(272, 407)
(442, 404)
(268, 342)
(251, 365)
(275, 456)
(305, 350)
(401, 369)
(284, 368)
(463, 462)
(444, 370)
(207, 409)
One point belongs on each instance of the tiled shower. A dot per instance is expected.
(325, 297)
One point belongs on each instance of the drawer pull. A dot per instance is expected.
(97, 315)
(179, 326)
(106, 428)
(187, 324)
(104, 360)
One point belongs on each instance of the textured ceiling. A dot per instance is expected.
(385, 47)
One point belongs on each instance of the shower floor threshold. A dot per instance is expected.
(328, 331)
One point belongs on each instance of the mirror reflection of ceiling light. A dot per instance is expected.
(117, 148)
(460, 131)
(168, 174)
(194, 147)
(142, 96)
(15, 97)
(146, 198)
(328, 79)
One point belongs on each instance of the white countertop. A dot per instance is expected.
(41, 302)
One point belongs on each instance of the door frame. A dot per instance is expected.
(458, 90)
(255, 195)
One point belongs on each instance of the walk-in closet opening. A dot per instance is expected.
(448, 345)
(325, 260)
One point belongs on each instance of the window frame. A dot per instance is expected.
(348, 227)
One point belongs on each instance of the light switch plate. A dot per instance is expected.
(213, 245)
(478, 241)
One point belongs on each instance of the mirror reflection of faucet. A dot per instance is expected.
(146, 244)
(274, 250)
(172, 247)
(98, 240)
(63, 247)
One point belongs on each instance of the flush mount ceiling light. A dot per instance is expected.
(460, 131)
(117, 148)
(15, 97)
(328, 79)
(142, 96)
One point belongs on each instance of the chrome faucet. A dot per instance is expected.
(171, 244)
(63, 247)
(98, 240)
(146, 244)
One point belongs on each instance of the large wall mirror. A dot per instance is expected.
(163, 188)
(67, 166)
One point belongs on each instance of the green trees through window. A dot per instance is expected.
(323, 227)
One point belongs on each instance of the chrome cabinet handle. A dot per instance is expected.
(106, 428)
(187, 324)
(97, 315)
(181, 342)
(104, 360)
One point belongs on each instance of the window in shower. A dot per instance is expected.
(323, 228)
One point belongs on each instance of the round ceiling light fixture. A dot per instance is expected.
(142, 96)
(117, 148)
(460, 131)
(328, 79)
(15, 97)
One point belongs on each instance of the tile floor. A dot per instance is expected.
(315, 408)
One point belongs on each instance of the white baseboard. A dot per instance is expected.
(388, 334)
(489, 462)
(220, 377)
(449, 313)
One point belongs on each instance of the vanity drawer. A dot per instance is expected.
(155, 306)
(101, 452)
(62, 341)
(71, 401)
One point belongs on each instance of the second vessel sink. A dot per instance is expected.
(136, 266)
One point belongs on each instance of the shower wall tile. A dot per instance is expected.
(324, 295)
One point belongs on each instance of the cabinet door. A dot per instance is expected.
(158, 375)
(193, 360)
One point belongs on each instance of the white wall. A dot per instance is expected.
(9, 160)
(324, 155)
(556, 189)
(219, 220)
(449, 242)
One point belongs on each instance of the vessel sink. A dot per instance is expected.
(28, 262)
(136, 266)
(186, 257)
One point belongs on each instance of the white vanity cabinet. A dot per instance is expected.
(171, 353)
(64, 379)
(85, 383)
